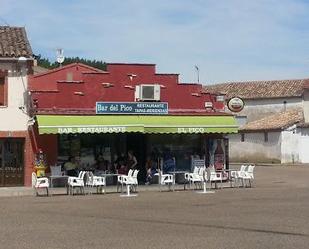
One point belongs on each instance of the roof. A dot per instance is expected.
(50, 84)
(260, 89)
(14, 42)
(276, 121)
(130, 64)
(39, 70)
(88, 69)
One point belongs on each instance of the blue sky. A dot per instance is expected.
(229, 40)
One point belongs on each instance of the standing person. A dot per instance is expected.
(131, 160)
(71, 166)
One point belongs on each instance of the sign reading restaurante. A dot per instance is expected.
(94, 129)
(149, 108)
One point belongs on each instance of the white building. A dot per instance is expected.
(273, 123)
(15, 64)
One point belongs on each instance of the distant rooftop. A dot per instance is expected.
(276, 121)
(14, 42)
(260, 89)
(39, 70)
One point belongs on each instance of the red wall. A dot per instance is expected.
(53, 92)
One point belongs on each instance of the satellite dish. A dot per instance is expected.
(22, 59)
(60, 56)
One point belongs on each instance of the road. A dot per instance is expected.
(272, 214)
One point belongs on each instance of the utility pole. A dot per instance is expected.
(198, 73)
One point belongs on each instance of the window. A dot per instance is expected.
(242, 139)
(265, 136)
(69, 76)
(284, 105)
(3, 91)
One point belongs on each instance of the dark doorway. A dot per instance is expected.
(11, 162)
(137, 143)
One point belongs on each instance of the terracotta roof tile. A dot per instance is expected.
(39, 70)
(303, 125)
(14, 42)
(276, 121)
(260, 89)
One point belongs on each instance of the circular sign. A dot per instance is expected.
(235, 104)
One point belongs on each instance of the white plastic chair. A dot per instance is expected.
(77, 182)
(233, 177)
(236, 175)
(126, 179)
(134, 178)
(167, 179)
(40, 183)
(195, 177)
(247, 175)
(97, 182)
(241, 173)
(214, 177)
(195, 172)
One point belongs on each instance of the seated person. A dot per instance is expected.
(101, 164)
(71, 166)
(122, 170)
(168, 165)
(151, 169)
(120, 162)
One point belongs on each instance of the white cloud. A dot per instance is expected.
(229, 39)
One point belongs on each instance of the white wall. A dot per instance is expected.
(258, 108)
(254, 148)
(306, 105)
(13, 117)
(290, 146)
(303, 146)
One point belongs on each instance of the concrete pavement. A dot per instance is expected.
(273, 214)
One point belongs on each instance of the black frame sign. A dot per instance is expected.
(235, 104)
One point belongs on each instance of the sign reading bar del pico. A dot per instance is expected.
(144, 108)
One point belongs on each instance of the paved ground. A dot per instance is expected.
(273, 214)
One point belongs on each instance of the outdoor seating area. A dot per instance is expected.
(88, 182)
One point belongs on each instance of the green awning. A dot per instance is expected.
(61, 124)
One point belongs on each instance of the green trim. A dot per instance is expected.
(58, 124)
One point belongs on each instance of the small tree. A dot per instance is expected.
(46, 63)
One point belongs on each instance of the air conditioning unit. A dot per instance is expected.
(147, 92)
(208, 105)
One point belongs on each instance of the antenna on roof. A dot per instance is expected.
(60, 56)
(198, 73)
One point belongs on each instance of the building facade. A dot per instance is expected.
(85, 112)
(15, 144)
(272, 123)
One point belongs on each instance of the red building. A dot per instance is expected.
(139, 110)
